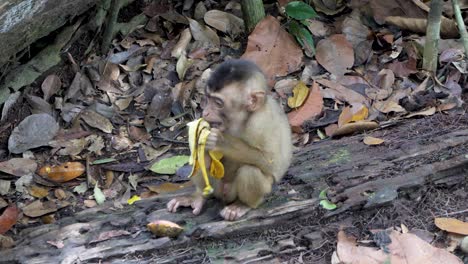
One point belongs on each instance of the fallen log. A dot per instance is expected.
(359, 177)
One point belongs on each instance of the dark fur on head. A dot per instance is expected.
(231, 71)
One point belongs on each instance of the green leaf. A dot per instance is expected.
(102, 161)
(300, 10)
(99, 195)
(169, 165)
(323, 194)
(82, 188)
(303, 36)
(328, 205)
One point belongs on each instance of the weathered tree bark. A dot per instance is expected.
(24, 21)
(253, 11)
(414, 155)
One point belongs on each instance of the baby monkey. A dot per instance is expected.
(251, 130)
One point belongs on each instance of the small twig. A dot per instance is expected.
(454, 213)
(431, 46)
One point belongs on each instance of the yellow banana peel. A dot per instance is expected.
(198, 132)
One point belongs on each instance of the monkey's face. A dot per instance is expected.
(225, 110)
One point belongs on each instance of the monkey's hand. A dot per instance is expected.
(196, 202)
(213, 140)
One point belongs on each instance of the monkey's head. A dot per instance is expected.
(235, 90)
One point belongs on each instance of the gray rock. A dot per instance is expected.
(34, 131)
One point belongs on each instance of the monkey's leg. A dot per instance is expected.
(251, 186)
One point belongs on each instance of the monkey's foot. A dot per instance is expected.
(234, 211)
(186, 201)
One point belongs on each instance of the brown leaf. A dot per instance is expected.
(50, 86)
(203, 34)
(427, 112)
(181, 46)
(8, 219)
(6, 242)
(62, 173)
(388, 106)
(403, 248)
(452, 225)
(340, 92)
(38, 208)
(335, 54)
(273, 50)
(168, 187)
(355, 128)
(368, 140)
(353, 113)
(311, 108)
(224, 22)
(38, 192)
(330, 129)
(18, 166)
(97, 121)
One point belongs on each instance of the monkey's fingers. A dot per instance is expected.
(172, 205)
(197, 205)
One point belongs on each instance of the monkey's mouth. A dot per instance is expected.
(218, 125)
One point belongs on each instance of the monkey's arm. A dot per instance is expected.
(237, 149)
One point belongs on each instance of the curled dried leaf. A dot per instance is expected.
(164, 228)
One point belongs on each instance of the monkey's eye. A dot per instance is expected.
(218, 103)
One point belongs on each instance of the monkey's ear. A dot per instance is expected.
(255, 101)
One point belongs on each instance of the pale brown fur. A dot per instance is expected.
(256, 143)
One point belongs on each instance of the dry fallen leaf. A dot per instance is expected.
(181, 46)
(182, 65)
(38, 208)
(452, 225)
(8, 219)
(18, 166)
(355, 127)
(62, 173)
(169, 187)
(427, 112)
(203, 34)
(335, 54)
(354, 112)
(50, 86)
(368, 140)
(403, 248)
(224, 22)
(340, 92)
(388, 106)
(300, 93)
(311, 108)
(97, 121)
(6, 242)
(38, 192)
(273, 50)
